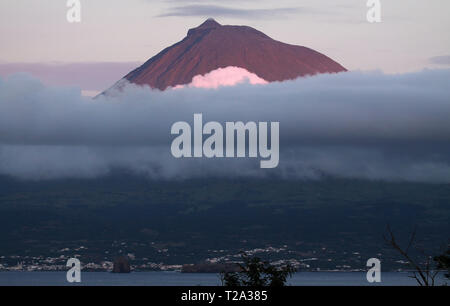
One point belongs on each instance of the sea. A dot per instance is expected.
(198, 279)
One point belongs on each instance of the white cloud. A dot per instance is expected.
(228, 76)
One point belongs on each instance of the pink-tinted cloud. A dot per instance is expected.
(228, 76)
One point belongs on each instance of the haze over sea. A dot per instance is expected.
(198, 279)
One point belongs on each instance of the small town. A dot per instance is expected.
(320, 260)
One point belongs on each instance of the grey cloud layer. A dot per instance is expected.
(210, 10)
(355, 125)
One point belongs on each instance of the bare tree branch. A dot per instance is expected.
(424, 276)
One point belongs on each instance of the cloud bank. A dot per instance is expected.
(347, 125)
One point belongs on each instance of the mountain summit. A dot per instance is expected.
(211, 46)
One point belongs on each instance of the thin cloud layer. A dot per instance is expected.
(208, 10)
(350, 125)
(440, 60)
(92, 76)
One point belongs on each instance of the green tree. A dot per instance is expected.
(257, 273)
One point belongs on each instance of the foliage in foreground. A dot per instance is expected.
(257, 273)
(443, 262)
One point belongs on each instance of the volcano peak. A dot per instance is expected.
(211, 46)
(209, 23)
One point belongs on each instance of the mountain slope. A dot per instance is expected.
(211, 46)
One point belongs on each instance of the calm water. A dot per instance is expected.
(194, 279)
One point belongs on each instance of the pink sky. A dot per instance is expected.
(115, 36)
